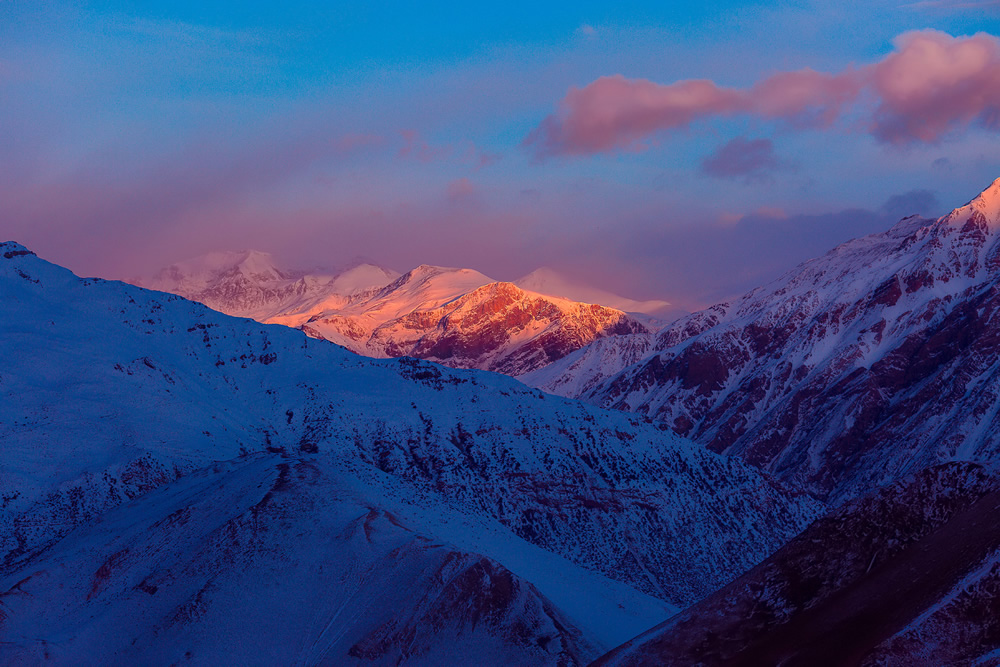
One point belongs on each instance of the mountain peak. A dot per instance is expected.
(986, 205)
(988, 202)
(11, 249)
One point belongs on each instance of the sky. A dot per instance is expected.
(684, 151)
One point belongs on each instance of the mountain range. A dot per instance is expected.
(457, 317)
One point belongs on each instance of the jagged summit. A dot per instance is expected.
(985, 207)
(988, 201)
(14, 247)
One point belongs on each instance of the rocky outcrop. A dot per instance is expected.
(909, 576)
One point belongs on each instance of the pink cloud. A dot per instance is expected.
(348, 143)
(460, 190)
(804, 95)
(615, 112)
(934, 82)
(477, 157)
(416, 147)
(930, 84)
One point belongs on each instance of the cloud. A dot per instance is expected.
(934, 82)
(416, 147)
(615, 112)
(477, 157)
(587, 30)
(752, 160)
(461, 190)
(931, 84)
(915, 202)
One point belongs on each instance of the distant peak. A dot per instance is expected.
(430, 268)
(429, 271)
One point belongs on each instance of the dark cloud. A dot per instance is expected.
(752, 160)
(915, 202)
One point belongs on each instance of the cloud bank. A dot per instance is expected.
(932, 83)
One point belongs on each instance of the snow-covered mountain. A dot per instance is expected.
(852, 370)
(910, 576)
(460, 318)
(457, 317)
(248, 283)
(179, 484)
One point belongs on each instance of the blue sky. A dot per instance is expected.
(137, 134)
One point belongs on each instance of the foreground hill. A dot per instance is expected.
(910, 576)
(180, 482)
(853, 370)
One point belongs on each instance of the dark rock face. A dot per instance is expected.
(908, 576)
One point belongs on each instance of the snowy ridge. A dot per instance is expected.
(457, 317)
(167, 459)
(849, 372)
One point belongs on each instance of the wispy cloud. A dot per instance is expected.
(930, 84)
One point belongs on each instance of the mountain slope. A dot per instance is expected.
(850, 371)
(908, 576)
(182, 571)
(116, 400)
